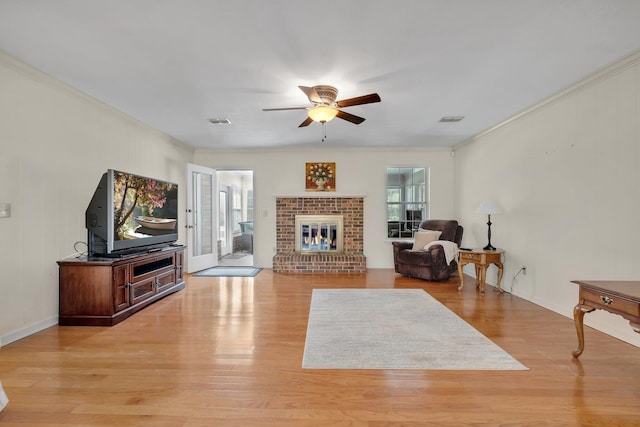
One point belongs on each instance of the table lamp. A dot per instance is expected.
(489, 207)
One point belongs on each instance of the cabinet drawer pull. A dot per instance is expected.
(606, 300)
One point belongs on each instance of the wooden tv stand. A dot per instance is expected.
(105, 291)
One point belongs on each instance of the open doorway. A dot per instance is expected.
(235, 217)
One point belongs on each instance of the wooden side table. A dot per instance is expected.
(617, 297)
(481, 259)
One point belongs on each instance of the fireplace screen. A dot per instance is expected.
(318, 233)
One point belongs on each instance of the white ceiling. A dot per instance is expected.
(173, 64)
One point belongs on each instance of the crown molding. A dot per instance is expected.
(619, 66)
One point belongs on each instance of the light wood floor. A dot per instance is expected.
(228, 352)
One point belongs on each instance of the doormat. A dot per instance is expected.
(236, 255)
(229, 272)
(394, 329)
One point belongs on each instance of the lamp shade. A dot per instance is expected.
(489, 207)
(322, 113)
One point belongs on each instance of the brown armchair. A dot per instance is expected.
(429, 264)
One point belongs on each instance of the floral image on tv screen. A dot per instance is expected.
(143, 207)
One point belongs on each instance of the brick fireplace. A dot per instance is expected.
(350, 260)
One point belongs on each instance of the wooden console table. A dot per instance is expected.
(481, 259)
(105, 291)
(618, 297)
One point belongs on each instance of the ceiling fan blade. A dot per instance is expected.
(311, 94)
(307, 122)
(284, 109)
(359, 100)
(350, 117)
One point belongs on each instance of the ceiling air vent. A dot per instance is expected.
(219, 121)
(451, 119)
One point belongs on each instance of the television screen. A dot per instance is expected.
(131, 213)
(143, 207)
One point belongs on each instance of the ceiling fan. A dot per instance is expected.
(325, 107)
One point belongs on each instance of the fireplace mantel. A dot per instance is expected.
(319, 194)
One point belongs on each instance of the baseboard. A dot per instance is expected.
(18, 334)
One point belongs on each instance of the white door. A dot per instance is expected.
(202, 245)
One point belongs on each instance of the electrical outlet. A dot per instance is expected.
(5, 210)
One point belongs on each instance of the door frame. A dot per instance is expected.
(227, 182)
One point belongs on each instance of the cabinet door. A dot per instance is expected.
(142, 290)
(165, 280)
(121, 287)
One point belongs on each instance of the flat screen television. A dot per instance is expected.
(130, 213)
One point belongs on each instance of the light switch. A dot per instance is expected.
(5, 210)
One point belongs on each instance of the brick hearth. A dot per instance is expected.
(351, 260)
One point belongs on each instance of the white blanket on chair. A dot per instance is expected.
(450, 249)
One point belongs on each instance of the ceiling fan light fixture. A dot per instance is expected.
(322, 113)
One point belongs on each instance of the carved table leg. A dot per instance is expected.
(578, 318)
(500, 269)
(460, 274)
(483, 277)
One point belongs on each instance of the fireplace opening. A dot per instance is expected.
(318, 233)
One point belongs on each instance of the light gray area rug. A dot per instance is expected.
(394, 329)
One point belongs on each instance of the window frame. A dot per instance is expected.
(407, 200)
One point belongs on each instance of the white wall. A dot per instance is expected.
(360, 172)
(567, 176)
(55, 143)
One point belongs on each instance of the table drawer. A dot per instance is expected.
(612, 302)
(470, 256)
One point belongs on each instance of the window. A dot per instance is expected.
(236, 209)
(407, 204)
(222, 221)
(250, 205)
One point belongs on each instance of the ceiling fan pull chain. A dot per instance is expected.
(324, 131)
